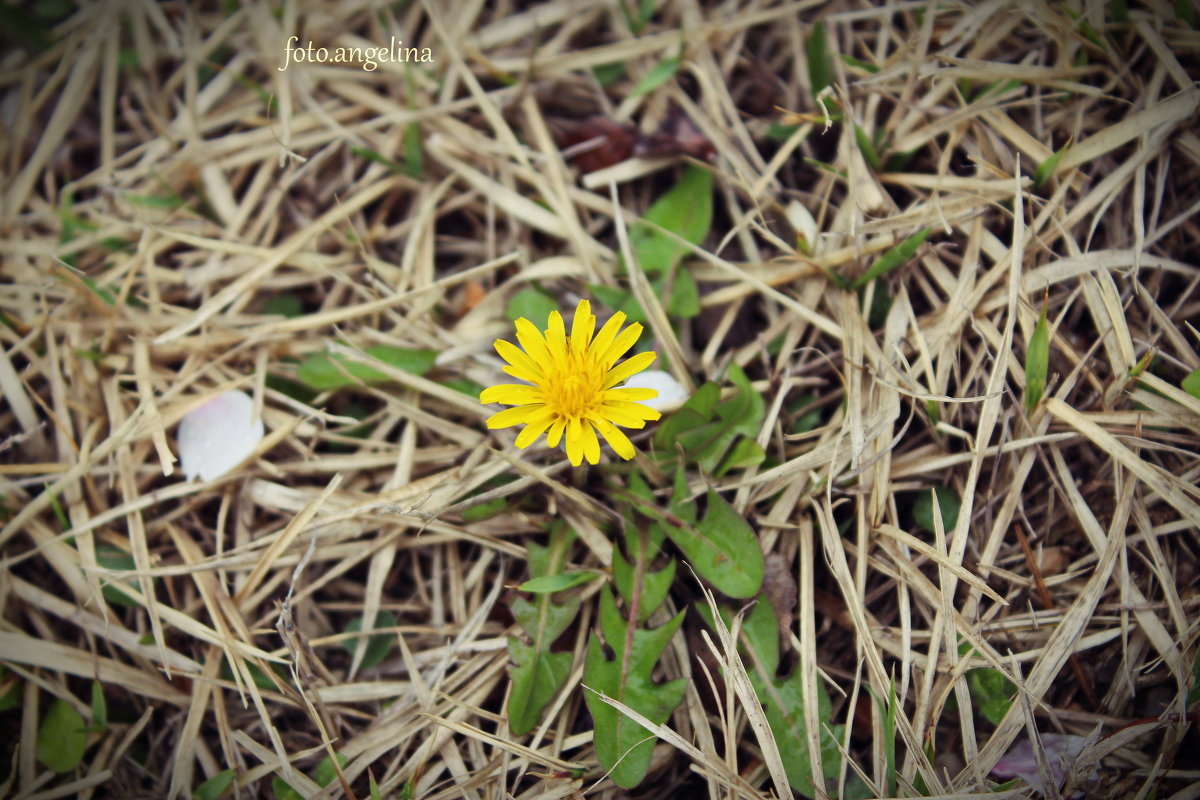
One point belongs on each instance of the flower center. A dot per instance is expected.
(575, 390)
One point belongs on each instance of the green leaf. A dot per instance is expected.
(549, 584)
(111, 557)
(282, 791)
(808, 411)
(778, 132)
(704, 439)
(608, 74)
(1186, 12)
(168, 203)
(783, 698)
(684, 302)
(323, 371)
(326, 773)
(866, 66)
(993, 693)
(378, 158)
(537, 674)
(620, 300)
(414, 157)
(898, 162)
(215, 786)
(532, 304)
(1037, 360)
(1191, 383)
(624, 747)
(949, 504)
(286, 305)
(1118, 11)
(655, 585)
(1046, 168)
(722, 547)
(639, 546)
(662, 72)
(820, 66)
(685, 210)
(881, 304)
(25, 28)
(10, 697)
(373, 786)
(889, 740)
(893, 258)
(99, 706)
(378, 645)
(60, 739)
(486, 510)
(745, 453)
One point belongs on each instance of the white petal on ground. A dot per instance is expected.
(802, 223)
(1020, 762)
(671, 393)
(217, 436)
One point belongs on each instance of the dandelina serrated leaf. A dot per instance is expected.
(623, 746)
(537, 674)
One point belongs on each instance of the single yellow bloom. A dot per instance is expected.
(571, 394)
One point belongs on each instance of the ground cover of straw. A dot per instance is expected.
(165, 185)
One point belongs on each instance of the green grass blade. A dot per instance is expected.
(1037, 359)
(893, 258)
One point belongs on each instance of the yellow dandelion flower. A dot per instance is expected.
(572, 385)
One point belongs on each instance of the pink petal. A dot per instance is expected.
(1020, 762)
(217, 436)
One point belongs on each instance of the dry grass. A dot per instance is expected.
(164, 182)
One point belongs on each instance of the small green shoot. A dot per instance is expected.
(948, 503)
(662, 72)
(533, 304)
(378, 158)
(867, 147)
(99, 708)
(378, 645)
(685, 210)
(61, 739)
(1185, 11)
(858, 63)
(284, 305)
(1191, 383)
(608, 74)
(1047, 167)
(820, 66)
(214, 787)
(323, 372)
(324, 775)
(992, 692)
(893, 258)
(1037, 360)
(10, 690)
